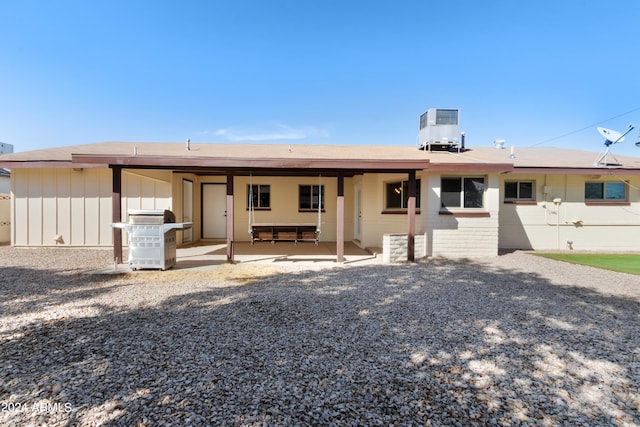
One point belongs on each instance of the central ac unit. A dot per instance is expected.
(439, 128)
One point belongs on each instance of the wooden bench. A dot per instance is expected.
(284, 233)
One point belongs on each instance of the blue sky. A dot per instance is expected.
(536, 73)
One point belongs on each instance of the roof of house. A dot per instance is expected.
(543, 159)
(334, 157)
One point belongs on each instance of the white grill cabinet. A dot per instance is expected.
(152, 238)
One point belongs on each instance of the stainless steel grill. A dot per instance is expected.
(152, 238)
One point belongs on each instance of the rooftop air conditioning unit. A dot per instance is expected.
(439, 129)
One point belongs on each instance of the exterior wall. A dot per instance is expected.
(462, 236)
(76, 204)
(145, 189)
(284, 205)
(5, 217)
(545, 226)
(375, 221)
(5, 184)
(177, 204)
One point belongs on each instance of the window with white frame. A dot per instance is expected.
(261, 195)
(462, 192)
(605, 191)
(397, 194)
(519, 190)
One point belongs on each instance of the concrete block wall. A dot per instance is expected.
(394, 247)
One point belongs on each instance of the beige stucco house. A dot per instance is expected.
(456, 204)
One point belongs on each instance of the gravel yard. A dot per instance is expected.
(512, 340)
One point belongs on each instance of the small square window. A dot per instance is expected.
(519, 190)
(259, 196)
(461, 192)
(309, 196)
(397, 194)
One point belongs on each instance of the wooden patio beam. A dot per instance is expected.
(411, 214)
(229, 214)
(340, 219)
(116, 212)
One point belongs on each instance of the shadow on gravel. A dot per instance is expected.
(441, 342)
(45, 288)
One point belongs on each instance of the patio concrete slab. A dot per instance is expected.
(203, 256)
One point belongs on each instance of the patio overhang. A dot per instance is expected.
(267, 166)
(230, 167)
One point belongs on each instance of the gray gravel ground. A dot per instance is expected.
(513, 340)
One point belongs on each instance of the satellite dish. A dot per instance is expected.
(611, 136)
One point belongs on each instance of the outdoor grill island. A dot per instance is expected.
(152, 238)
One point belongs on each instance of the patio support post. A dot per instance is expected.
(340, 219)
(230, 249)
(116, 212)
(411, 214)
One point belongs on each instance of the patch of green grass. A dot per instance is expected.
(624, 263)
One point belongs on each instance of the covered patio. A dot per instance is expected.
(267, 161)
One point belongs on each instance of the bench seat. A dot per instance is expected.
(289, 232)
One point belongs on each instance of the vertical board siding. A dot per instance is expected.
(105, 211)
(78, 213)
(34, 208)
(51, 202)
(50, 210)
(92, 207)
(63, 204)
(145, 192)
(19, 208)
(76, 204)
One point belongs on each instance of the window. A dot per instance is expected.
(605, 191)
(261, 196)
(462, 192)
(519, 190)
(397, 194)
(308, 197)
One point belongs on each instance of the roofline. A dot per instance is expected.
(34, 164)
(471, 167)
(231, 162)
(576, 171)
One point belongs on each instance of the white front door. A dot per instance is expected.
(214, 211)
(187, 209)
(357, 214)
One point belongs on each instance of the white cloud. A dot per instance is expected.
(277, 132)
